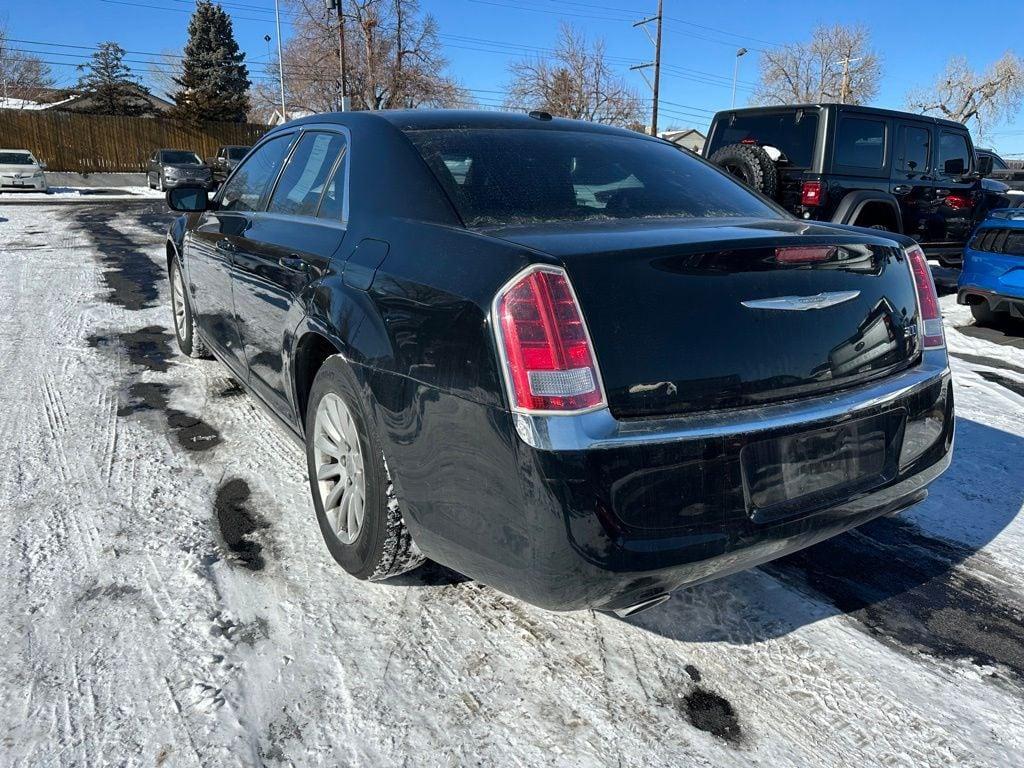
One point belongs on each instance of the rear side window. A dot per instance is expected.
(953, 153)
(914, 145)
(510, 176)
(252, 180)
(860, 143)
(304, 180)
(793, 133)
(333, 205)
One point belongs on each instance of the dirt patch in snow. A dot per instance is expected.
(131, 276)
(239, 524)
(905, 588)
(148, 347)
(707, 711)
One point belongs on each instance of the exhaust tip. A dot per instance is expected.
(643, 605)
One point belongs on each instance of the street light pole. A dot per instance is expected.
(280, 61)
(735, 74)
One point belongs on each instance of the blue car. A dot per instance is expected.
(992, 280)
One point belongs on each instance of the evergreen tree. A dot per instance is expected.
(214, 81)
(109, 83)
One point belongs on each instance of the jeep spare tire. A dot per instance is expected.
(751, 165)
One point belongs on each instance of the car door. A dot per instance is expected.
(912, 184)
(211, 244)
(957, 192)
(286, 247)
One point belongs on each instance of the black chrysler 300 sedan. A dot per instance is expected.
(570, 361)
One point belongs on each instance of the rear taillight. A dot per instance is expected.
(959, 202)
(927, 299)
(544, 345)
(810, 193)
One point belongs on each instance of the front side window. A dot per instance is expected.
(954, 158)
(510, 176)
(304, 180)
(913, 149)
(252, 180)
(860, 143)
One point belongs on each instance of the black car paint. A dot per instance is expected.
(404, 292)
(912, 203)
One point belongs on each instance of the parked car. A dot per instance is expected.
(228, 157)
(19, 170)
(876, 168)
(1002, 171)
(581, 399)
(168, 168)
(992, 279)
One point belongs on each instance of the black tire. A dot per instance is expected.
(149, 181)
(188, 341)
(383, 547)
(751, 165)
(983, 314)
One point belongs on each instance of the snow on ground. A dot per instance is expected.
(166, 599)
(86, 194)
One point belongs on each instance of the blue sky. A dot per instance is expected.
(482, 36)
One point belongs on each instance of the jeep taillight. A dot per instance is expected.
(544, 344)
(810, 193)
(927, 299)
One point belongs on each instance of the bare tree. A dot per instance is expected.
(574, 81)
(393, 53)
(837, 64)
(163, 71)
(962, 94)
(22, 75)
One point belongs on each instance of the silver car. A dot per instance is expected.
(19, 170)
(169, 168)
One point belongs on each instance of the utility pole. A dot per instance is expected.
(844, 89)
(656, 64)
(339, 5)
(280, 61)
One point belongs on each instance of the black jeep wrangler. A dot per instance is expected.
(867, 167)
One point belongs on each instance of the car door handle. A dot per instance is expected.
(294, 263)
(901, 189)
(225, 245)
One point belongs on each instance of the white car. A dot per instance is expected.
(19, 170)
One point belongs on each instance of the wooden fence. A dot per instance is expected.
(68, 141)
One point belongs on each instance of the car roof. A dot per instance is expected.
(461, 119)
(846, 108)
(27, 151)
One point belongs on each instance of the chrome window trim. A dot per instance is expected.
(599, 429)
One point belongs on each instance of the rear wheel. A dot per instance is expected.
(353, 495)
(184, 325)
(983, 314)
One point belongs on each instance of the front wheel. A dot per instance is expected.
(353, 495)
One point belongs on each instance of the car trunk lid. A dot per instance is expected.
(696, 315)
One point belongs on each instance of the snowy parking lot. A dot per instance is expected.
(167, 598)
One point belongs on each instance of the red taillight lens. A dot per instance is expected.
(927, 299)
(810, 193)
(804, 254)
(959, 202)
(549, 361)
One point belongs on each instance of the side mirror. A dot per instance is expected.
(985, 165)
(954, 167)
(42, 166)
(188, 199)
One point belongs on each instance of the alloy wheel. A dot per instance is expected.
(178, 303)
(339, 463)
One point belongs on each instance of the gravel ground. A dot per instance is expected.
(167, 600)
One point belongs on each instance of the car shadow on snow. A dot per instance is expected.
(906, 580)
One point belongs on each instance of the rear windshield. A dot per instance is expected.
(792, 133)
(237, 153)
(180, 158)
(515, 176)
(16, 158)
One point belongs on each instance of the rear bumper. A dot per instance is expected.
(590, 512)
(997, 301)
